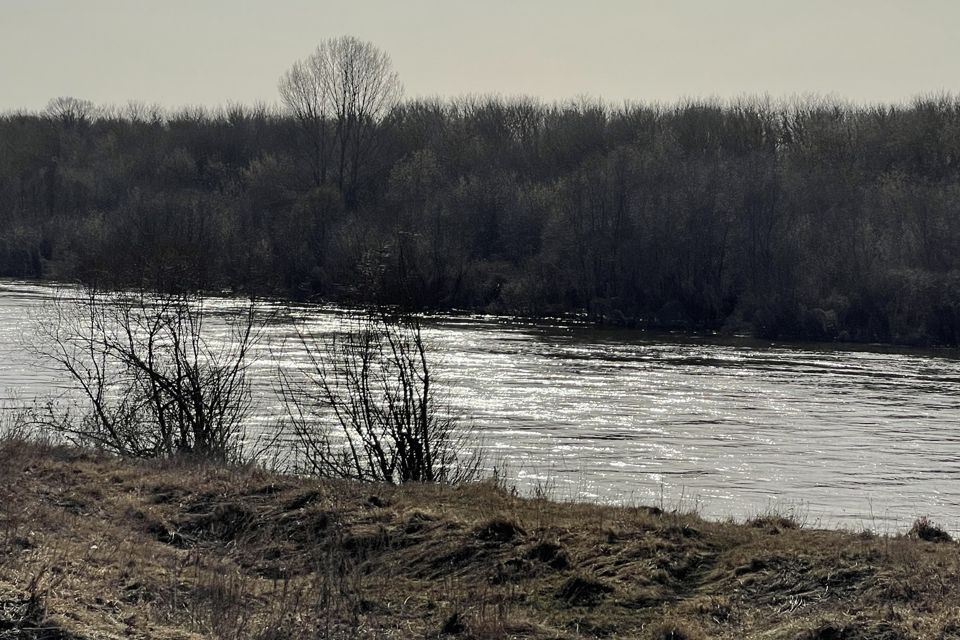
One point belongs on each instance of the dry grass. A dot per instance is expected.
(95, 547)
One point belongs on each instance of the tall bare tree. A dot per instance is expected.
(340, 93)
(71, 112)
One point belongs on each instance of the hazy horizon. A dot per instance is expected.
(212, 52)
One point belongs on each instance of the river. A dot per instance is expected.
(836, 435)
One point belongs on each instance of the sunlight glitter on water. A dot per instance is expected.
(850, 436)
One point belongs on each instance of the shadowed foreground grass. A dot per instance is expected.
(95, 547)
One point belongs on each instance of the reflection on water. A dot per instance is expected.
(844, 436)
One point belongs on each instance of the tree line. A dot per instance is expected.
(808, 219)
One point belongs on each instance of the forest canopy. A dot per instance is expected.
(804, 219)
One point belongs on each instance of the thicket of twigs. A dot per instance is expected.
(159, 376)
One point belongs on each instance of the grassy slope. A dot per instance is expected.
(92, 547)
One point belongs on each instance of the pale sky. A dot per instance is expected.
(211, 52)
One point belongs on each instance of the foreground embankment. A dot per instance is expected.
(96, 547)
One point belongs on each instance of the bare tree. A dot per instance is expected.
(71, 112)
(155, 380)
(339, 94)
(374, 384)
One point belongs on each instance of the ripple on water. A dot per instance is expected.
(850, 437)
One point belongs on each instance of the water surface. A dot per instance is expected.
(853, 437)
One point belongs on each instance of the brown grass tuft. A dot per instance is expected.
(924, 529)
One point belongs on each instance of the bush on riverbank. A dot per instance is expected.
(153, 377)
(97, 547)
(366, 407)
(157, 379)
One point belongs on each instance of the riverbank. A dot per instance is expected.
(582, 320)
(95, 547)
